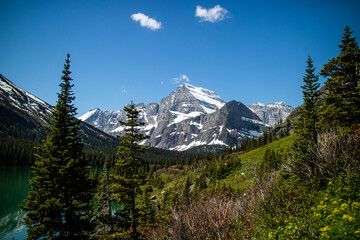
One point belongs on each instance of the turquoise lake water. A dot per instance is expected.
(14, 187)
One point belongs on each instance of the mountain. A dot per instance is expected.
(189, 117)
(30, 107)
(22, 120)
(184, 103)
(15, 97)
(272, 113)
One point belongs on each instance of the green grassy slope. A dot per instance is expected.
(241, 178)
(282, 146)
(237, 170)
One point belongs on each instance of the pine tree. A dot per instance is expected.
(102, 207)
(341, 103)
(308, 116)
(59, 204)
(127, 179)
(147, 209)
(305, 127)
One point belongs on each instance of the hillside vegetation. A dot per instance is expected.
(303, 186)
(238, 197)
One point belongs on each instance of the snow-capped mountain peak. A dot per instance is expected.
(23, 100)
(89, 114)
(206, 96)
(271, 113)
(189, 117)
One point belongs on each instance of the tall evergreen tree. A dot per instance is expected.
(305, 127)
(308, 115)
(342, 100)
(128, 177)
(59, 204)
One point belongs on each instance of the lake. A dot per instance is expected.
(14, 187)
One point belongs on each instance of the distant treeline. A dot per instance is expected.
(20, 152)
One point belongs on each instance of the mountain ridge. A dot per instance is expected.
(271, 113)
(188, 117)
(17, 106)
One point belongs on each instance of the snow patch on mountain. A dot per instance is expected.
(271, 113)
(188, 146)
(118, 129)
(207, 96)
(179, 117)
(88, 114)
(23, 100)
(253, 121)
(217, 142)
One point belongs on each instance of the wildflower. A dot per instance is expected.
(324, 235)
(317, 215)
(344, 206)
(348, 217)
(355, 205)
(320, 207)
(333, 213)
(330, 183)
(357, 231)
(334, 202)
(325, 229)
(326, 197)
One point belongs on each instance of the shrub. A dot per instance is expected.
(220, 217)
(284, 210)
(335, 153)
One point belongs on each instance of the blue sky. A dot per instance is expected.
(250, 51)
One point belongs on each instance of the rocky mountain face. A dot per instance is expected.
(272, 113)
(189, 117)
(27, 114)
(13, 96)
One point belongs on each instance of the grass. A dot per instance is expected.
(240, 178)
(282, 146)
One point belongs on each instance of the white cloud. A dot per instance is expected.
(182, 77)
(146, 21)
(214, 14)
